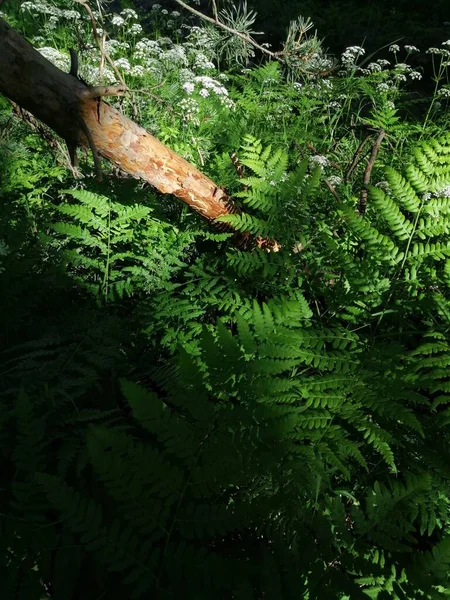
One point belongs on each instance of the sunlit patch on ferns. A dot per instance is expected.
(115, 249)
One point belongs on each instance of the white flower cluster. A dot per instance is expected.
(188, 87)
(444, 193)
(383, 87)
(374, 67)
(117, 21)
(351, 54)
(439, 51)
(199, 38)
(207, 86)
(49, 10)
(137, 71)
(60, 60)
(129, 13)
(409, 48)
(114, 47)
(320, 160)
(201, 62)
(175, 56)
(92, 75)
(334, 180)
(135, 29)
(401, 70)
(146, 48)
(444, 92)
(124, 64)
(318, 63)
(190, 110)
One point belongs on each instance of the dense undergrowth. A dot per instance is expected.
(180, 417)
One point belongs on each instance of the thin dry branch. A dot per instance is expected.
(356, 157)
(103, 53)
(373, 156)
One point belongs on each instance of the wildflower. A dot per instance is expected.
(444, 192)
(122, 63)
(334, 180)
(164, 11)
(383, 87)
(52, 23)
(320, 160)
(175, 56)
(129, 13)
(117, 21)
(394, 48)
(188, 87)
(137, 71)
(190, 109)
(114, 46)
(350, 55)
(444, 92)
(175, 14)
(409, 48)
(375, 67)
(447, 43)
(202, 63)
(70, 15)
(135, 29)
(415, 75)
(156, 6)
(57, 58)
(204, 92)
(383, 62)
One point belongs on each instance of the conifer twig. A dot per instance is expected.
(243, 36)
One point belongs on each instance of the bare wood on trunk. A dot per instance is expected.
(65, 104)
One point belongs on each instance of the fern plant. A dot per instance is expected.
(114, 249)
(273, 446)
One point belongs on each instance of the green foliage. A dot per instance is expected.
(114, 249)
(182, 415)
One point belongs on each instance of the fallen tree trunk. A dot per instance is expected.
(79, 115)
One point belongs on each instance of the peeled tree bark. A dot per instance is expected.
(78, 114)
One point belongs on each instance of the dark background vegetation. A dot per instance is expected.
(343, 23)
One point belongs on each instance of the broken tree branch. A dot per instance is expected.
(59, 100)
